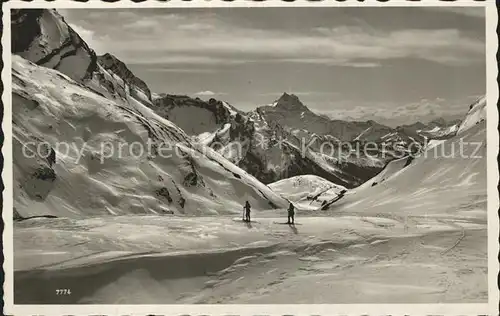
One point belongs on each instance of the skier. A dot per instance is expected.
(247, 211)
(291, 213)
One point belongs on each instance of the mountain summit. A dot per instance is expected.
(290, 102)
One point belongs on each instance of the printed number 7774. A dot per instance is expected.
(63, 292)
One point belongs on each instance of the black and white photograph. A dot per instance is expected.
(249, 155)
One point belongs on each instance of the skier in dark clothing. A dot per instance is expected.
(247, 211)
(291, 213)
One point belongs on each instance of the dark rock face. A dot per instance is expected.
(110, 62)
(164, 193)
(352, 174)
(43, 37)
(192, 179)
(39, 185)
(25, 28)
(16, 216)
(255, 165)
(290, 102)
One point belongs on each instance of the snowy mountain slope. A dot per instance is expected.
(108, 106)
(70, 185)
(300, 187)
(431, 182)
(442, 149)
(391, 169)
(431, 219)
(435, 129)
(440, 132)
(43, 37)
(475, 115)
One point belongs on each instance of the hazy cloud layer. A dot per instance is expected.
(393, 114)
(175, 38)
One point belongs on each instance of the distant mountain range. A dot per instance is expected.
(274, 137)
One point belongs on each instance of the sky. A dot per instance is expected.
(393, 65)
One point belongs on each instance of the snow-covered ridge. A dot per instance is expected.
(362, 133)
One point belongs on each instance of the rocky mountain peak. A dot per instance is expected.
(111, 62)
(290, 102)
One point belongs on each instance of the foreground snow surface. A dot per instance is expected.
(167, 259)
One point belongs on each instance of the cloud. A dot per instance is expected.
(393, 114)
(88, 36)
(207, 39)
(182, 70)
(195, 27)
(208, 93)
(138, 23)
(339, 47)
(159, 58)
(362, 65)
(299, 93)
(324, 61)
(476, 12)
